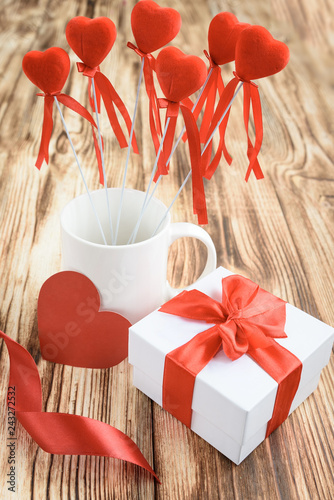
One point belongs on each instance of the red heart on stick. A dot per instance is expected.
(91, 39)
(154, 26)
(179, 75)
(47, 70)
(258, 54)
(72, 330)
(223, 34)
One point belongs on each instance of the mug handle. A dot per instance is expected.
(186, 229)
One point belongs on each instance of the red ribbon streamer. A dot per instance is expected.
(110, 97)
(47, 127)
(61, 433)
(251, 95)
(199, 202)
(246, 321)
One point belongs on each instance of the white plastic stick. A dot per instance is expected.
(135, 231)
(129, 149)
(102, 158)
(205, 147)
(80, 169)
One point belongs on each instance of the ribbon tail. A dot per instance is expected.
(222, 105)
(111, 98)
(285, 368)
(91, 96)
(181, 368)
(199, 202)
(149, 64)
(172, 113)
(251, 95)
(210, 105)
(60, 433)
(47, 128)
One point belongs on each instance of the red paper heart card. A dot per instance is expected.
(92, 40)
(257, 55)
(72, 329)
(49, 71)
(180, 76)
(153, 27)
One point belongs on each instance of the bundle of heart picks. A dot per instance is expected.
(186, 86)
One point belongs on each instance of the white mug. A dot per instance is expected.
(131, 278)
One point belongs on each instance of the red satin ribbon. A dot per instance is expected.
(246, 321)
(154, 115)
(199, 202)
(251, 95)
(214, 84)
(47, 127)
(110, 97)
(61, 433)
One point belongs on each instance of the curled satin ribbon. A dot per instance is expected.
(106, 91)
(199, 202)
(246, 321)
(61, 433)
(251, 96)
(66, 100)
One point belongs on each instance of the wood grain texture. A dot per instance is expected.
(279, 232)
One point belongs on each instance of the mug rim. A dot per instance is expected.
(102, 245)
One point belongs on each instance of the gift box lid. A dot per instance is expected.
(236, 396)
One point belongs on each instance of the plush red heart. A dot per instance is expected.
(154, 26)
(91, 39)
(179, 75)
(72, 330)
(47, 70)
(258, 54)
(223, 34)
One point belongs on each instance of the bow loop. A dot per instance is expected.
(87, 70)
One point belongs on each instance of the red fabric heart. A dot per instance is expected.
(47, 70)
(91, 39)
(154, 26)
(224, 31)
(179, 75)
(72, 330)
(258, 54)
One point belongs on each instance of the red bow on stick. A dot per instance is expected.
(180, 76)
(246, 321)
(257, 55)
(92, 40)
(49, 71)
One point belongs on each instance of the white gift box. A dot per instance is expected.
(232, 400)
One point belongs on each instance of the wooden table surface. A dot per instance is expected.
(277, 231)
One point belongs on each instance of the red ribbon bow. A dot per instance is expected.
(106, 91)
(251, 96)
(246, 321)
(199, 202)
(47, 128)
(61, 433)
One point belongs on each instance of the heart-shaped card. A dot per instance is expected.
(179, 75)
(47, 70)
(154, 26)
(91, 39)
(72, 329)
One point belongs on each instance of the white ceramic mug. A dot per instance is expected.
(131, 279)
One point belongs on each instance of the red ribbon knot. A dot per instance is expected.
(246, 320)
(87, 70)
